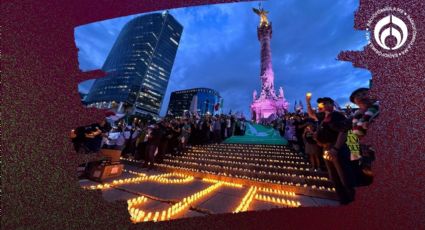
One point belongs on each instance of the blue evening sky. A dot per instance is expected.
(219, 49)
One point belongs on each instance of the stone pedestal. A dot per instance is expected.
(268, 109)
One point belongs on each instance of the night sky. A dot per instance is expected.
(219, 49)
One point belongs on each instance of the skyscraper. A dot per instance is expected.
(139, 65)
(197, 100)
(84, 89)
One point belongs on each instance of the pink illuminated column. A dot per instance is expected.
(264, 32)
(268, 106)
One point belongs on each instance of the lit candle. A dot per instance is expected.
(308, 95)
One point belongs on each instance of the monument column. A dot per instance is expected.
(264, 36)
(268, 105)
(264, 33)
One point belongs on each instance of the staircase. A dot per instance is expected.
(273, 166)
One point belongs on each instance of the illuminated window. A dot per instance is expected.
(174, 41)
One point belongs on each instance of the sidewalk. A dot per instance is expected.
(161, 196)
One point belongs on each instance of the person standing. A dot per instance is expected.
(193, 138)
(332, 136)
(290, 134)
(232, 124)
(88, 140)
(141, 143)
(228, 127)
(223, 134)
(299, 125)
(174, 141)
(205, 130)
(312, 149)
(130, 145)
(217, 130)
(281, 126)
(95, 133)
(166, 134)
(367, 112)
(153, 140)
(184, 136)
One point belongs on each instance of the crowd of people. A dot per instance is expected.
(151, 140)
(321, 135)
(332, 140)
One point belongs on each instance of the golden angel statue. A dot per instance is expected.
(263, 15)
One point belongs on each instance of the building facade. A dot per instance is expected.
(200, 100)
(139, 65)
(84, 88)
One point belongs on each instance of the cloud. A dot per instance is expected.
(219, 49)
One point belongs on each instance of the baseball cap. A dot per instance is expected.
(353, 94)
(325, 99)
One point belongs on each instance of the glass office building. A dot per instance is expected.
(208, 101)
(139, 65)
(84, 89)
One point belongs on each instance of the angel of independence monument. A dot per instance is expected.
(268, 106)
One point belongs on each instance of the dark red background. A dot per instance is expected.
(40, 105)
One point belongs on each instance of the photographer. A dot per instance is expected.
(97, 132)
(88, 140)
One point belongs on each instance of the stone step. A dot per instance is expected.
(263, 160)
(252, 164)
(260, 174)
(247, 148)
(283, 167)
(292, 156)
(289, 182)
(314, 190)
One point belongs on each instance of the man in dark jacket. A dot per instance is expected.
(175, 133)
(88, 140)
(332, 136)
(166, 134)
(154, 139)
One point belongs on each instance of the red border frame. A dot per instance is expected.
(40, 104)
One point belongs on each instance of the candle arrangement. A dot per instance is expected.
(263, 166)
(275, 191)
(138, 215)
(262, 169)
(246, 200)
(313, 187)
(247, 158)
(258, 173)
(224, 183)
(270, 166)
(162, 179)
(280, 201)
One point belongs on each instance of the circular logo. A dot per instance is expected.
(393, 32)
